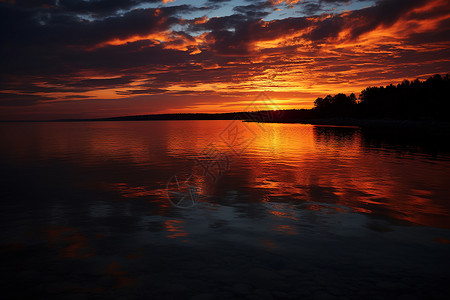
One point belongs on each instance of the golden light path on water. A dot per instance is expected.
(291, 163)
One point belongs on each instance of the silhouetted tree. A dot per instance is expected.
(337, 105)
(428, 99)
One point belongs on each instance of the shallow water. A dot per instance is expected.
(262, 211)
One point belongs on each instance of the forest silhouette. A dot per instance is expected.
(409, 100)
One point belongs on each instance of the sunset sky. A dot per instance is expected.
(102, 58)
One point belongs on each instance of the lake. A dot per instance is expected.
(222, 210)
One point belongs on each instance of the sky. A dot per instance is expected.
(102, 58)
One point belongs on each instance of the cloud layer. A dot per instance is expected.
(71, 58)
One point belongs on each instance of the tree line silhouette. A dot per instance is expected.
(409, 100)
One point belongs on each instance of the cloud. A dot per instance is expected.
(94, 7)
(28, 28)
(15, 99)
(53, 53)
(256, 10)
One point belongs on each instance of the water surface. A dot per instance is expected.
(278, 211)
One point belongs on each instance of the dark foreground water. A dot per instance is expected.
(262, 211)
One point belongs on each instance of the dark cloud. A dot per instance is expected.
(16, 99)
(218, 23)
(233, 35)
(327, 28)
(385, 13)
(146, 91)
(22, 27)
(92, 7)
(257, 10)
(100, 7)
(339, 1)
(48, 49)
(104, 82)
(313, 7)
(32, 48)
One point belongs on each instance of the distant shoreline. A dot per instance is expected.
(155, 117)
(331, 121)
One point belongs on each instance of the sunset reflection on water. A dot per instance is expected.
(96, 193)
(290, 163)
